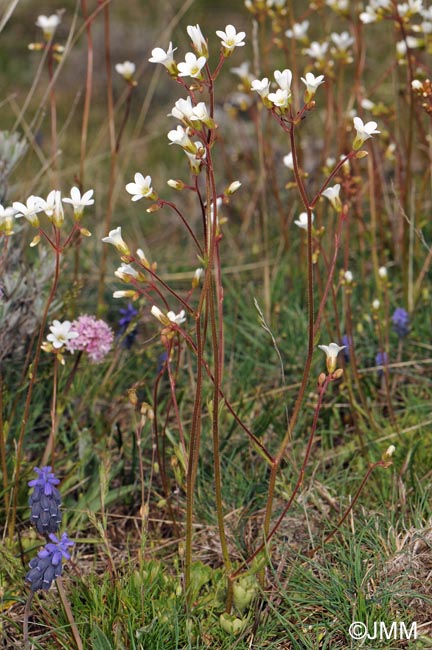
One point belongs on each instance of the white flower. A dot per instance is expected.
(311, 82)
(317, 50)
(61, 333)
(288, 161)
(53, 208)
(6, 220)
(367, 104)
(195, 159)
(126, 69)
(340, 5)
(410, 8)
(298, 31)
(219, 202)
(376, 304)
(416, 84)
(302, 221)
(170, 318)
(198, 41)
(231, 39)
(425, 27)
(115, 238)
(181, 136)
(261, 86)
(166, 58)
(281, 98)
(332, 350)
(141, 188)
(368, 16)
(242, 71)
(348, 276)
(382, 272)
(200, 114)
(401, 49)
(364, 131)
(48, 25)
(178, 319)
(126, 271)
(157, 313)
(182, 109)
(191, 66)
(34, 204)
(79, 202)
(332, 194)
(342, 41)
(283, 79)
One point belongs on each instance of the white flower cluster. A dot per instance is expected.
(281, 97)
(376, 10)
(195, 61)
(52, 206)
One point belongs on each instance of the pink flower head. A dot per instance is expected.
(94, 337)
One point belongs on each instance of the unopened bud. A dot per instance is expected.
(177, 185)
(132, 396)
(235, 185)
(154, 208)
(361, 154)
(197, 277)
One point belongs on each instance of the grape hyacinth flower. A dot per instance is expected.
(127, 316)
(400, 320)
(381, 359)
(94, 337)
(347, 344)
(45, 501)
(47, 565)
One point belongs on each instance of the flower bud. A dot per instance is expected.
(235, 185)
(177, 185)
